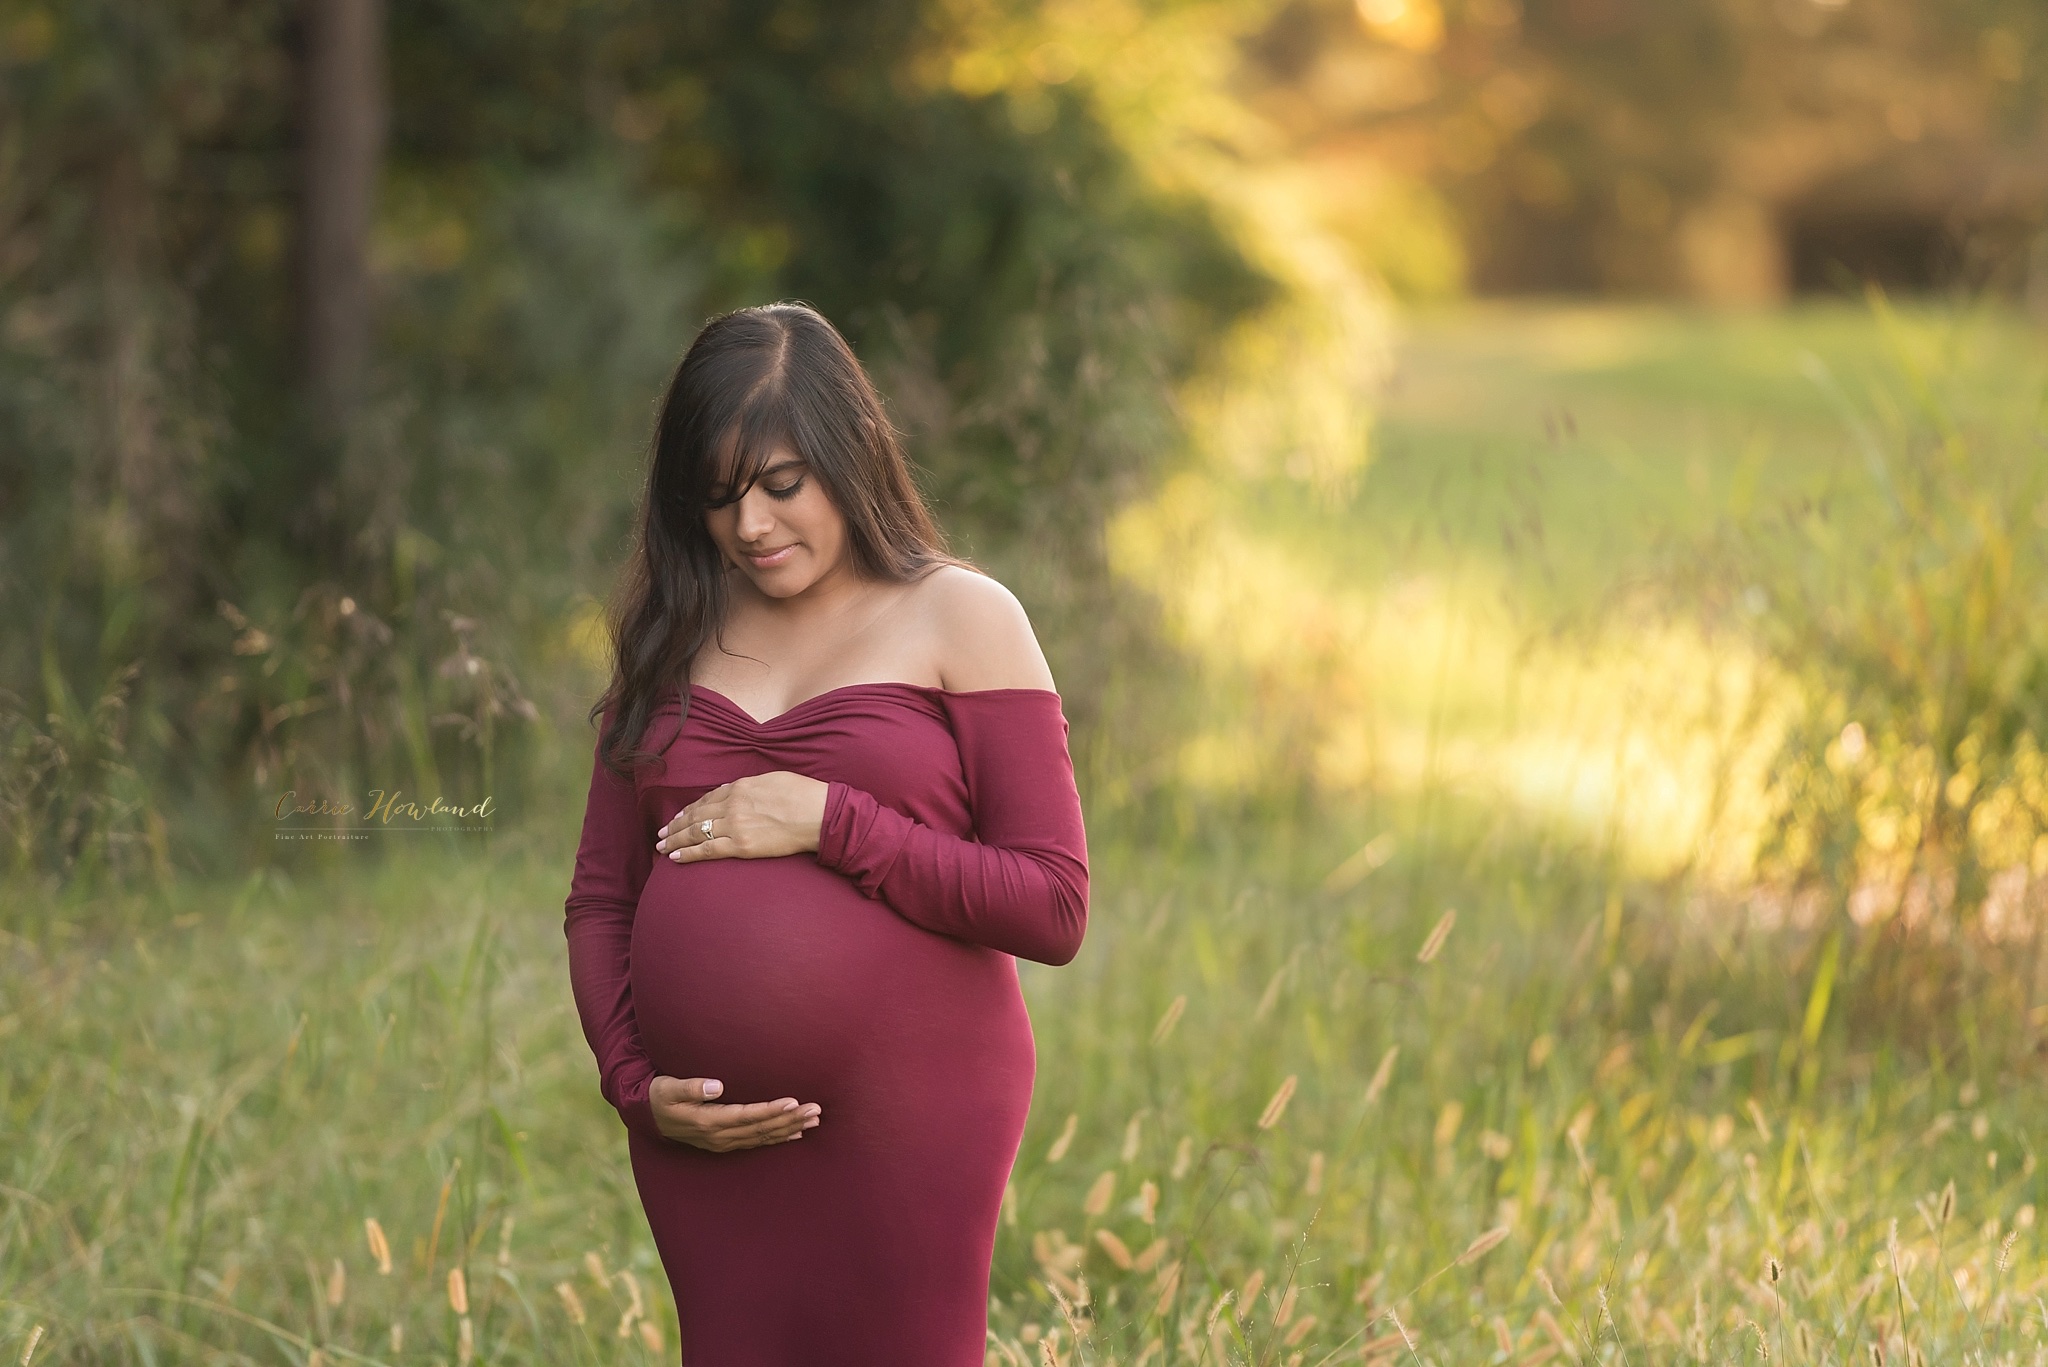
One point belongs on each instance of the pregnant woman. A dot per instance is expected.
(830, 806)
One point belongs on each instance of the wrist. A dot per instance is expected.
(814, 830)
(831, 841)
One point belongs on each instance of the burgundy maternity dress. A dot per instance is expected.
(875, 977)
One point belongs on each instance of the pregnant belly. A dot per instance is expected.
(777, 977)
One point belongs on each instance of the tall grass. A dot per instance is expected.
(1278, 1114)
(1907, 599)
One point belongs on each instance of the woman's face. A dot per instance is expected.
(784, 533)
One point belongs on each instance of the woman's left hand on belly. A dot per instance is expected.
(761, 816)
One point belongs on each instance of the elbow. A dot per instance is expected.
(1071, 927)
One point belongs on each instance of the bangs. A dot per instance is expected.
(760, 427)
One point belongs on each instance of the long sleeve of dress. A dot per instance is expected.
(612, 863)
(1021, 885)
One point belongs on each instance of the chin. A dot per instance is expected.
(778, 583)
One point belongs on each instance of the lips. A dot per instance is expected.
(771, 558)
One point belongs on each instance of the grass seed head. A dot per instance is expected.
(1948, 1201)
(1432, 946)
(1065, 1139)
(1756, 1116)
(458, 1291)
(1448, 1120)
(1099, 1193)
(650, 1334)
(337, 1283)
(572, 1303)
(1381, 1075)
(1168, 1284)
(380, 1248)
(1277, 1107)
(1483, 1245)
(1169, 1018)
(1119, 1252)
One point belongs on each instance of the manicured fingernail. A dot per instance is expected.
(714, 1088)
(789, 1106)
(677, 856)
(808, 1123)
(811, 1110)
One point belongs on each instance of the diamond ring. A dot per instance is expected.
(705, 827)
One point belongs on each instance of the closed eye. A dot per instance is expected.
(719, 498)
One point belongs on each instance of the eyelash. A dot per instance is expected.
(779, 495)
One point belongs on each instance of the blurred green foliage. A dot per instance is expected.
(1908, 600)
(570, 189)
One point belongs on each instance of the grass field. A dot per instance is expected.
(1464, 1058)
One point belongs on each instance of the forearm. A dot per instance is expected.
(600, 980)
(612, 862)
(1027, 896)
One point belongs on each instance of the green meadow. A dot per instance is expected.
(1447, 1010)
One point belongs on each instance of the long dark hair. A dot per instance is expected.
(774, 373)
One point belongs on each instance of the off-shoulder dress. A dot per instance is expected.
(876, 977)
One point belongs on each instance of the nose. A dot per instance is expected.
(755, 519)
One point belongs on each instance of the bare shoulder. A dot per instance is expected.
(984, 639)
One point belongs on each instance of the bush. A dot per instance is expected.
(1909, 606)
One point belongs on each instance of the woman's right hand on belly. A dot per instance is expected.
(687, 1110)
